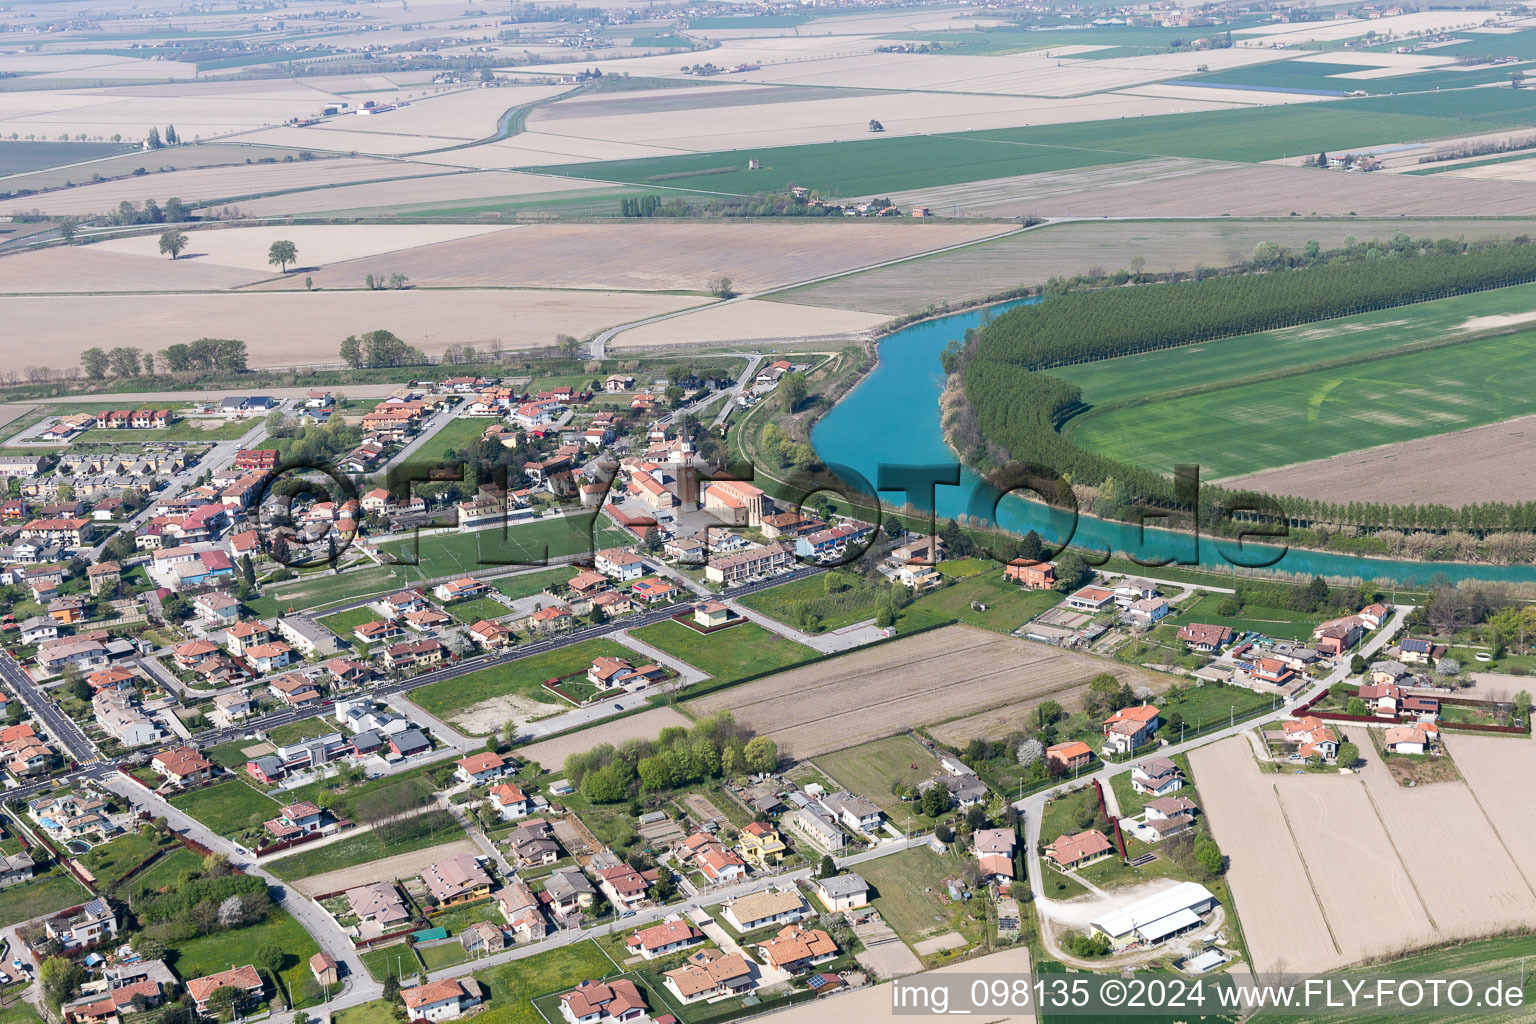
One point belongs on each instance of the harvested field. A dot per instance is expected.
(1488, 763)
(1034, 256)
(90, 268)
(318, 245)
(641, 255)
(647, 726)
(873, 1002)
(213, 154)
(1428, 825)
(1487, 463)
(1299, 846)
(1267, 190)
(417, 193)
(895, 686)
(403, 865)
(540, 149)
(749, 321)
(1333, 823)
(305, 328)
(212, 185)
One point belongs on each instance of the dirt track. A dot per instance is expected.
(882, 691)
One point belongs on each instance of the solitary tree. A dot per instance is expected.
(67, 228)
(282, 253)
(1349, 754)
(173, 242)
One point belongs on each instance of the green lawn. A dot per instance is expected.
(53, 891)
(380, 1011)
(459, 435)
(399, 960)
(345, 801)
(181, 430)
(229, 755)
(1007, 605)
(208, 954)
(859, 601)
(900, 881)
(343, 623)
(320, 589)
(476, 609)
(359, 849)
(730, 654)
(228, 808)
(512, 987)
(1310, 391)
(526, 584)
(301, 730)
(109, 862)
(534, 543)
(524, 676)
(869, 769)
(168, 870)
(1282, 623)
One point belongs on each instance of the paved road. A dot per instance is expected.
(1033, 806)
(60, 726)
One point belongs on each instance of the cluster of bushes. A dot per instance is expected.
(714, 748)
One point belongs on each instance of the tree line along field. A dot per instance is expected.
(1241, 428)
(870, 167)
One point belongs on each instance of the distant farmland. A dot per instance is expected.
(874, 166)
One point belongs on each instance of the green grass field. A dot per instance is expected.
(301, 730)
(526, 584)
(330, 588)
(1259, 401)
(167, 870)
(343, 623)
(857, 603)
(730, 654)
(873, 166)
(53, 891)
(227, 808)
(208, 954)
(109, 862)
(524, 677)
(869, 769)
(512, 987)
(443, 554)
(457, 435)
(1297, 74)
(476, 609)
(909, 885)
(181, 430)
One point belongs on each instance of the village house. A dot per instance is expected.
(444, 999)
(761, 845)
(457, 879)
(491, 635)
(843, 892)
(994, 852)
(244, 980)
(762, 909)
(183, 766)
(623, 885)
(710, 974)
(1071, 755)
(569, 891)
(1031, 575)
(483, 767)
(797, 948)
(509, 801)
(1337, 636)
(663, 939)
(1129, 728)
(1419, 738)
(1198, 636)
(1156, 776)
(1166, 816)
(1090, 599)
(596, 1002)
(520, 909)
(1072, 851)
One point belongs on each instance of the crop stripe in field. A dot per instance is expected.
(1399, 855)
(1500, 837)
(1307, 870)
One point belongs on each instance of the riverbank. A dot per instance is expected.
(892, 416)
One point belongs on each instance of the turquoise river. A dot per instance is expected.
(891, 418)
